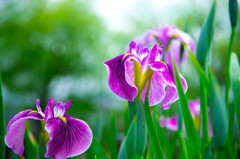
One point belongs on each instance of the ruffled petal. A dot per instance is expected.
(16, 129)
(118, 78)
(67, 138)
(60, 108)
(48, 111)
(145, 39)
(171, 93)
(133, 48)
(157, 90)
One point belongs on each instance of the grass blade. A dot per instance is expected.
(41, 147)
(187, 118)
(154, 141)
(141, 138)
(126, 121)
(98, 150)
(235, 80)
(128, 146)
(2, 123)
(198, 68)
(228, 67)
(205, 38)
(218, 112)
(113, 139)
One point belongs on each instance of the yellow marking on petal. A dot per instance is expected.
(174, 36)
(164, 63)
(34, 111)
(63, 119)
(126, 55)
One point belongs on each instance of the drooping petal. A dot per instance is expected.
(68, 137)
(171, 93)
(48, 111)
(174, 49)
(147, 38)
(160, 79)
(60, 108)
(16, 129)
(118, 78)
(157, 90)
(150, 58)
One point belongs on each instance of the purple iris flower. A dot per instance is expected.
(194, 106)
(128, 75)
(171, 38)
(68, 136)
(170, 123)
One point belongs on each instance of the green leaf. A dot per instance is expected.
(141, 136)
(132, 110)
(183, 146)
(205, 38)
(2, 123)
(154, 141)
(233, 12)
(235, 80)
(218, 112)
(126, 121)
(98, 128)
(31, 146)
(41, 146)
(187, 118)
(98, 150)
(113, 139)
(198, 68)
(128, 146)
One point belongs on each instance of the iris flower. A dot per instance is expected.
(171, 38)
(128, 76)
(194, 106)
(170, 123)
(68, 136)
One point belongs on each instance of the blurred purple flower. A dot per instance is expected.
(170, 123)
(171, 38)
(194, 106)
(128, 75)
(68, 136)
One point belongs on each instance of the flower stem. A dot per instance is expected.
(204, 114)
(154, 141)
(228, 67)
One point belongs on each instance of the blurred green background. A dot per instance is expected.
(56, 49)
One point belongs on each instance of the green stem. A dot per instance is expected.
(157, 149)
(228, 67)
(132, 109)
(2, 124)
(204, 114)
(154, 141)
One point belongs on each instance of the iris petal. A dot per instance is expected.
(67, 139)
(118, 78)
(16, 129)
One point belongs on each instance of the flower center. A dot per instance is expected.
(63, 119)
(141, 77)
